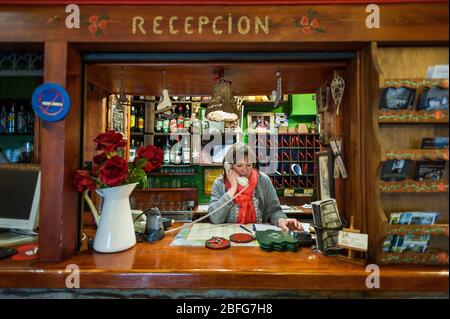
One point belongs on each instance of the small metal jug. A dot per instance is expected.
(154, 228)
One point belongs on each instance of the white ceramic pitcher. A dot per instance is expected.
(115, 229)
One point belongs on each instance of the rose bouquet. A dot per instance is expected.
(109, 169)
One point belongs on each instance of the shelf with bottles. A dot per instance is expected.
(16, 117)
(137, 116)
(180, 120)
(176, 151)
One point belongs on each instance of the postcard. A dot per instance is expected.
(397, 98)
(435, 142)
(418, 218)
(395, 170)
(395, 218)
(429, 170)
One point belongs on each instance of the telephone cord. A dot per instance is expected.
(209, 214)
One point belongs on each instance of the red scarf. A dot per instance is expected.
(247, 212)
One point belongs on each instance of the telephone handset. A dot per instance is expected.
(243, 181)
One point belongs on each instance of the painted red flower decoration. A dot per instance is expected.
(315, 23)
(96, 24)
(441, 187)
(304, 21)
(309, 23)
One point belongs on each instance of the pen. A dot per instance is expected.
(248, 230)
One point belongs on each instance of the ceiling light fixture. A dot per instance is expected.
(223, 106)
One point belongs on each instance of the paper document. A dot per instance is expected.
(204, 231)
(305, 227)
(262, 227)
(202, 208)
(356, 241)
(196, 234)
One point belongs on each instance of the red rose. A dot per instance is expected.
(151, 153)
(304, 21)
(93, 19)
(92, 28)
(102, 24)
(159, 156)
(110, 141)
(147, 152)
(149, 165)
(307, 30)
(100, 158)
(114, 171)
(82, 181)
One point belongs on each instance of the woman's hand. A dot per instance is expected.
(232, 179)
(289, 224)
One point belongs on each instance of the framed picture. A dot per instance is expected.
(118, 116)
(260, 122)
(324, 175)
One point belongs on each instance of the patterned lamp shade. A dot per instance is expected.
(222, 106)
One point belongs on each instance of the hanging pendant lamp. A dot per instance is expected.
(223, 106)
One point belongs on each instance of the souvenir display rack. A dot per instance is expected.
(397, 135)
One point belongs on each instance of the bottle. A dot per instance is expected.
(159, 124)
(187, 119)
(186, 151)
(30, 120)
(133, 119)
(180, 118)
(195, 124)
(11, 120)
(21, 121)
(167, 153)
(140, 119)
(178, 155)
(173, 123)
(3, 120)
(132, 150)
(166, 124)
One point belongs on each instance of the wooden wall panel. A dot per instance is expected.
(399, 22)
(355, 190)
(94, 119)
(60, 148)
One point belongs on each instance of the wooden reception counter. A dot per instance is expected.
(160, 266)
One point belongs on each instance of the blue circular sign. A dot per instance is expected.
(51, 102)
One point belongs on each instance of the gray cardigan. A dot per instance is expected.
(269, 204)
